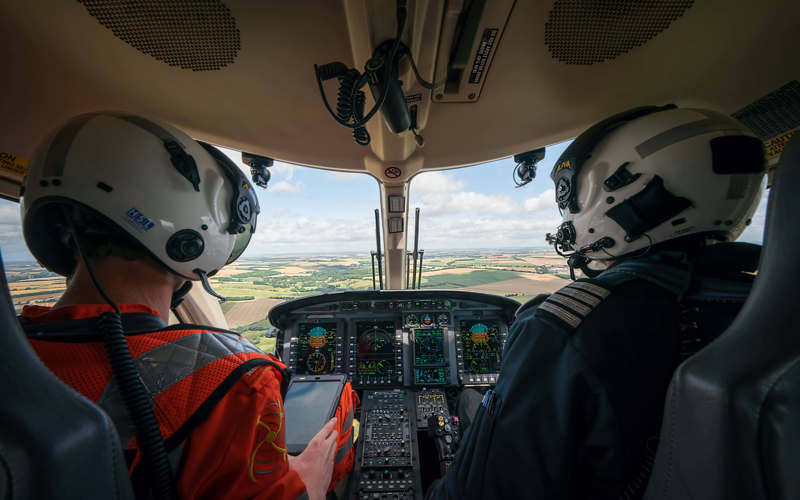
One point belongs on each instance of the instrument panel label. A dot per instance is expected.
(482, 56)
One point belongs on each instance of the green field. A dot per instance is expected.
(259, 340)
(478, 277)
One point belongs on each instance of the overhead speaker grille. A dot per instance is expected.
(200, 35)
(592, 31)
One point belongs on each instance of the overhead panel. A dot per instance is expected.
(774, 118)
(471, 33)
(590, 31)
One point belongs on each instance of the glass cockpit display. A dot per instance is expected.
(375, 352)
(429, 357)
(316, 347)
(482, 346)
(429, 347)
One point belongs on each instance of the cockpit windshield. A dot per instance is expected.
(316, 232)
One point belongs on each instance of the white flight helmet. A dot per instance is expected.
(653, 174)
(182, 200)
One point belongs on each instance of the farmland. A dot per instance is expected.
(254, 286)
(258, 285)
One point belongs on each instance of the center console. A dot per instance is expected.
(387, 462)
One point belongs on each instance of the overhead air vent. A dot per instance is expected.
(199, 35)
(592, 31)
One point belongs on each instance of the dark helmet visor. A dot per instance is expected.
(242, 240)
(244, 207)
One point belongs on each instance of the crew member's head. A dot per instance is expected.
(655, 174)
(134, 188)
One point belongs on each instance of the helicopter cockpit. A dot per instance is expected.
(399, 91)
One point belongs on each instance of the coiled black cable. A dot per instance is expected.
(137, 401)
(134, 393)
(356, 98)
(350, 104)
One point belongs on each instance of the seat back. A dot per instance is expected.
(54, 443)
(731, 426)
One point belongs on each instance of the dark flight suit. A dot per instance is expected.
(581, 392)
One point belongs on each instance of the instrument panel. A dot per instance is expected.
(409, 338)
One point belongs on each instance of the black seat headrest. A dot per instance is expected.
(731, 425)
(54, 443)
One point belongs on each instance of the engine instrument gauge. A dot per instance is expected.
(412, 320)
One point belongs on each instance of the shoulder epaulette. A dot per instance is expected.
(574, 302)
(531, 303)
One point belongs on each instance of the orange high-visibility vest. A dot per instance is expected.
(188, 371)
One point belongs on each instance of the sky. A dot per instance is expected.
(313, 211)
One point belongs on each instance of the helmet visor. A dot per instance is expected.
(241, 242)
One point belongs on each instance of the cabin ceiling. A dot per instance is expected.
(252, 85)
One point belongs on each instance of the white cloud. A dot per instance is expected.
(465, 201)
(283, 170)
(346, 176)
(545, 201)
(485, 231)
(435, 183)
(285, 186)
(440, 193)
(288, 233)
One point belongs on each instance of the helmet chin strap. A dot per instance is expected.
(179, 294)
(579, 260)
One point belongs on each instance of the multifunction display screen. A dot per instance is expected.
(316, 345)
(429, 347)
(482, 347)
(375, 354)
(429, 358)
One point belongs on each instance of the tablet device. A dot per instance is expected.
(310, 402)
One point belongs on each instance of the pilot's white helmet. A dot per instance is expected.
(653, 174)
(184, 201)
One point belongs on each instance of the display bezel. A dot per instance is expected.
(502, 334)
(443, 365)
(398, 369)
(338, 348)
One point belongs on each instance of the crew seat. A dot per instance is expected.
(731, 426)
(54, 443)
